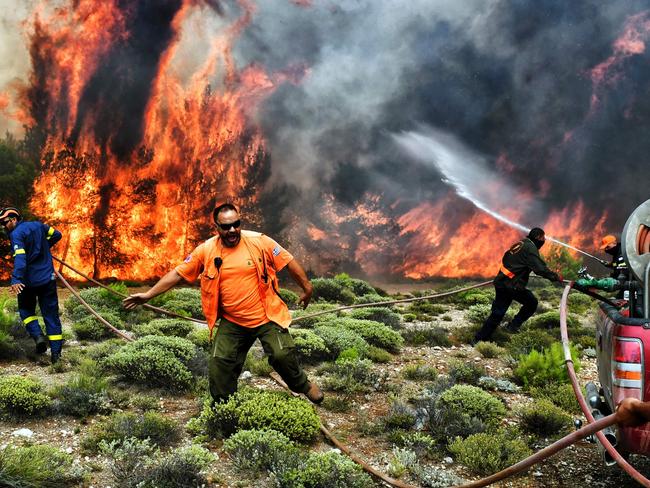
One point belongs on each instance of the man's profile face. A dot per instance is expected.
(610, 246)
(229, 227)
(9, 223)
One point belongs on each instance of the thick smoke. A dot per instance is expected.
(514, 81)
(507, 78)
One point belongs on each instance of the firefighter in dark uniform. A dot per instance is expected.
(510, 283)
(33, 280)
(619, 268)
(611, 246)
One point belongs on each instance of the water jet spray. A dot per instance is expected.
(466, 171)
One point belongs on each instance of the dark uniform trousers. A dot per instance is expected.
(502, 301)
(48, 302)
(231, 345)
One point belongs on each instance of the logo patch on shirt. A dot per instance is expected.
(15, 246)
(188, 259)
(276, 250)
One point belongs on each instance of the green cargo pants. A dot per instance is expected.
(230, 346)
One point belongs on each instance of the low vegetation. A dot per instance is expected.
(400, 377)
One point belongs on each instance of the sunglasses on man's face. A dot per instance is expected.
(4, 223)
(226, 227)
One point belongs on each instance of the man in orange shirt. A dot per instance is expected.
(239, 285)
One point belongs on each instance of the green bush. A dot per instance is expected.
(528, 340)
(9, 349)
(180, 468)
(379, 314)
(165, 327)
(120, 426)
(259, 366)
(378, 355)
(580, 304)
(560, 395)
(423, 445)
(100, 351)
(289, 297)
(331, 290)
(311, 309)
(350, 376)
(487, 453)
(474, 297)
(465, 371)
(540, 368)
(325, 470)
(544, 419)
(98, 298)
(22, 397)
(37, 466)
(310, 347)
(371, 298)
(489, 349)
(337, 404)
(136, 463)
(430, 336)
(549, 320)
(90, 328)
(374, 333)
(476, 314)
(400, 416)
(420, 372)
(261, 410)
(338, 340)
(258, 450)
(357, 286)
(81, 396)
(200, 337)
(426, 311)
(185, 301)
(474, 402)
(155, 360)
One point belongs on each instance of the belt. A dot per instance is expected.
(507, 272)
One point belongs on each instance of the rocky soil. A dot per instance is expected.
(578, 466)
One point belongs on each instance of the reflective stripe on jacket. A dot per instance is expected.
(30, 246)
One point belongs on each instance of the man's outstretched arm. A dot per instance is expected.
(168, 281)
(300, 277)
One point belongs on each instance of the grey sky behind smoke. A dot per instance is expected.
(14, 58)
(506, 78)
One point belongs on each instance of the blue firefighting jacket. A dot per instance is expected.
(30, 244)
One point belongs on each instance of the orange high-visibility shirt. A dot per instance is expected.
(239, 294)
(268, 258)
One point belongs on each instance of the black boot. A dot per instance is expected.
(56, 357)
(512, 328)
(41, 344)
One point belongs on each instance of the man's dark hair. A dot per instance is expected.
(222, 208)
(536, 233)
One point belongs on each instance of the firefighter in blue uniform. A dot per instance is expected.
(33, 280)
(511, 281)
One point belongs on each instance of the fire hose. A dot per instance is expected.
(594, 427)
(629, 469)
(115, 292)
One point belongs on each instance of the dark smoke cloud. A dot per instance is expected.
(116, 96)
(506, 77)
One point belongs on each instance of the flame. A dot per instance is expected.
(630, 43)
(437, 246)
(130, 213)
